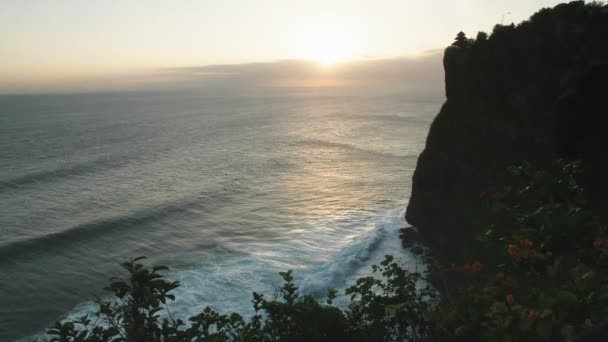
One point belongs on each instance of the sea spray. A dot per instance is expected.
(333, 273)
(226, 279)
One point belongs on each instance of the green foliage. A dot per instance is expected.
(385, 307)
(541, 275)
(390, 307)
(548, 252)
(481, 37)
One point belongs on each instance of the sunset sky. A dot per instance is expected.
(47, 43)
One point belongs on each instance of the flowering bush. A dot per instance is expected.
(546, 270)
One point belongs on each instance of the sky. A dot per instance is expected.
(48, 45)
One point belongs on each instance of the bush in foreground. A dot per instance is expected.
(540, 271)
(539, 275)
(384, 306)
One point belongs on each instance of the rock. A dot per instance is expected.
(526, 93)
(418, 249)
(409, 236)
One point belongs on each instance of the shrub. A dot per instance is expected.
(386, 306)
(540, 275)
(545, 259)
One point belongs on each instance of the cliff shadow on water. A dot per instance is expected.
(527, 92)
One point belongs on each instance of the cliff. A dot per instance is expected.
(530, 92)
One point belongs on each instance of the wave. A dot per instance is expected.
(335, 272)
(62, 173)
(325, 143)
(89, 230)
(384, 118)
(355, 260)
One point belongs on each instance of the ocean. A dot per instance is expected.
(226, 191)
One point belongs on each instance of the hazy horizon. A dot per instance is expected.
(74, 46)
(378, 76)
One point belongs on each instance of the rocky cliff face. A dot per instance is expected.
(529, 92)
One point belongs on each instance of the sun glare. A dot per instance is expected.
(328, 56)
(327, 43)
(328, 48)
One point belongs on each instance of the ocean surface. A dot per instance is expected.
(225, 191)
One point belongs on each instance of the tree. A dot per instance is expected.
(481, 36)
(461, 40)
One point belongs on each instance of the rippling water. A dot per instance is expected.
(225, 191)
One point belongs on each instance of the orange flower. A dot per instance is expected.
(509, 299)
(533, 315)
(476, 267)
(523, 250)
(512, 249)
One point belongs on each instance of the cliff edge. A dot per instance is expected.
(527, 92)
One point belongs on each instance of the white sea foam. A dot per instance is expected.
(225, 281)
(334, 272)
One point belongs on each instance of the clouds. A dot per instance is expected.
(375, 76)
(423, 73)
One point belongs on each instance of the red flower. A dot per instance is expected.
(466, 268)
(476, 267)
(523, 250)
(509, 299)
(533, 315)
(598, 243)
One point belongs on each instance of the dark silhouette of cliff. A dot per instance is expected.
(528, 92)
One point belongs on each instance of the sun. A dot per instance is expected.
(327, 42)
(329, 55)
(328, 48)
